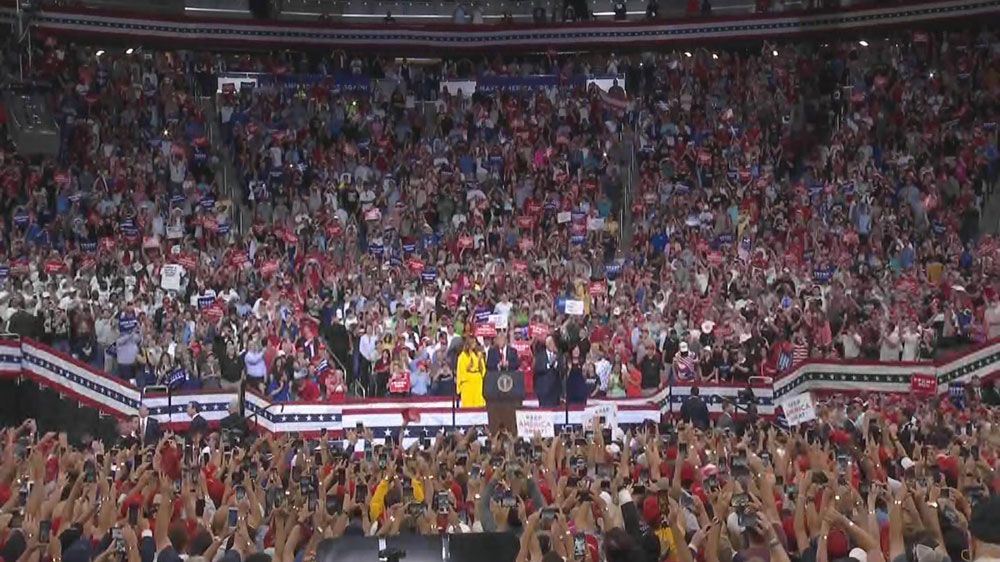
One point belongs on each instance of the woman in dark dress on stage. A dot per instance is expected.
(576, 383)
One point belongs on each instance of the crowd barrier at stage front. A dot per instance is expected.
(50, 369)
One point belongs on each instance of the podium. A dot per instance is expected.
(504, 392)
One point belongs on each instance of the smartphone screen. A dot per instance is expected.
(199, 507)
(44, 531)
(579, 546)
(233, 517)
(133, 514)
(360, 494)
(118, 539)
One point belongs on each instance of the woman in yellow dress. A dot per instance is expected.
(471, 370)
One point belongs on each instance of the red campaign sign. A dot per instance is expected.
(334, 230)
(290, 238)
(536, 330)
(54, 266)
(269, 268)
(239, 258)
(187, 261)
(215, 311)
(715, 258)
(415, 265)
(534, 207)
(399, 383)
(486, 331)
(150, 242)
(923, 385)
(88, 263)
(598, 288)
(520, 266)
(526, 244)
(465, 242)
(523, 348)
(211, 225)
(373, 214)
(524, 221)
(62, 178)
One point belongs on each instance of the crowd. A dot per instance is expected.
(713, 217)
(884, 479)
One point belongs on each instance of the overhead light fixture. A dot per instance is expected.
(774, 52)
(715, 56)
(687, 54)
(863, 43)
(129, 51)
(100, 53)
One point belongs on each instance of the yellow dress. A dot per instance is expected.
(471, 370)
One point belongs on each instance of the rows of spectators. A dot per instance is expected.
(803, 201)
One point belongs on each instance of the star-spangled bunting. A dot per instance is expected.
(118, 396)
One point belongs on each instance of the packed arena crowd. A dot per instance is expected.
(886, 479)
(715, 216)
(341, 225)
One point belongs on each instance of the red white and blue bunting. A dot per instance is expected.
(152, 29)
(56, 371)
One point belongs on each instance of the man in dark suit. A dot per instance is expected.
(198, 428)
(549, 370)
(694, 410)
(147, 428)
(234, 426)
(501, 356)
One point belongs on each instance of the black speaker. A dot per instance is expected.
(260, 9)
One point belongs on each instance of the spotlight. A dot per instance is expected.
(715, 56)
(100, 53)
(687, 54)
(129, 51)
(863, 43)
(774, 52)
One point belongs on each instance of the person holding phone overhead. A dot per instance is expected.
(470, 374)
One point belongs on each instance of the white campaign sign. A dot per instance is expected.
(499, 321)
(170, 276)
(607, 411)
(595, 224)
(530, 422)
(574, 308)
(798, 409)
(564, 217)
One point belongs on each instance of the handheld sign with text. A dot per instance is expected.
(798, 409)
(923, 385)
(530, 423)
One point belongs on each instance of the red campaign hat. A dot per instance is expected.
(651, 510)
(837, 544)
(948, 465)
(687, 472)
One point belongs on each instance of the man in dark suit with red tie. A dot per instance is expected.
(501, 356)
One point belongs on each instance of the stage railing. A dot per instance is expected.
(24, 359)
